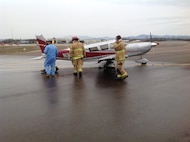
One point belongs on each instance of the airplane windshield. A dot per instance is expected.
(93, 49)
(104, 47)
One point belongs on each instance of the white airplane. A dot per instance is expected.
(103, 51)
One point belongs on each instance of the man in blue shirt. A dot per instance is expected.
(51, 52)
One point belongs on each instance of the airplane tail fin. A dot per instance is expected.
(41, 41)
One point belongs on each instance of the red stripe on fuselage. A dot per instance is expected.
(97, 53)
(64, 53)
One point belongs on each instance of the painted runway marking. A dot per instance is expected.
(167, 51)
(159, 64)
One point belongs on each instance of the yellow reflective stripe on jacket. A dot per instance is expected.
(120, 51)
(78, 53)
(120, 55)
(120, 59)
(78, 49)
(78, 57)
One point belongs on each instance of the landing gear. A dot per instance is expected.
(142, 61)
(109, 64)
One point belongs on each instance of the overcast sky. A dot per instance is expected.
(58, 18)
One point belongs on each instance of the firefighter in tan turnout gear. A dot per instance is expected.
(120, 52)
(76, 54)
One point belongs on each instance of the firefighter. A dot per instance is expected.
(76, 54)
(120, 52)
(51, 52)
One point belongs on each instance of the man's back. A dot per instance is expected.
(51, 50)
(77, 50)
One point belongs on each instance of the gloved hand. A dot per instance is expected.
(70, 58)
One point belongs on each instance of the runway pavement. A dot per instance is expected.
(151, 105)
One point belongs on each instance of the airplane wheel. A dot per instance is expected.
(143, 63)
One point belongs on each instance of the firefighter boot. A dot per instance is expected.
(118, 75)
(125, 75)
(75, 73)
(80, 74)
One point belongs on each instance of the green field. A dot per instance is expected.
(24, 49)
(16, 49)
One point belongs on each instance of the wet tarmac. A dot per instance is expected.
(151, 105)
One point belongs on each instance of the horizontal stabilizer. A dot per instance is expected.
(38, 58)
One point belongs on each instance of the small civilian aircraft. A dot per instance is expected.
(104, 52)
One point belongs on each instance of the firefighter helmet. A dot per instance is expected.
(118, 37)
(75, 38)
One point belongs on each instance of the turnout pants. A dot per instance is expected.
(77, 64)
(121, 73)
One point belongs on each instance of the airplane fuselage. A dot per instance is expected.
(97, 51)
(104, 51)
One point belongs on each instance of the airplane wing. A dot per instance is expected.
(109, 57)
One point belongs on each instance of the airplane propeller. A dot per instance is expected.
(150, 37)
(151, 42)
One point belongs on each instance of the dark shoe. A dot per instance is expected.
(56, 69)
(47, 75)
